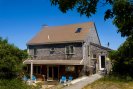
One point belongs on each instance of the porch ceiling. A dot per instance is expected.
(55, 62)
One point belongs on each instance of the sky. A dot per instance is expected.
(20, 20)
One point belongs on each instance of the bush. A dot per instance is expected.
(11, 58)
(122, 60)
(13, 84)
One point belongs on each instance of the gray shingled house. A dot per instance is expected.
(66, 50)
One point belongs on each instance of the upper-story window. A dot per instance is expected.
(35, 52)
(69, 49)
(52, 50)
(94, 56)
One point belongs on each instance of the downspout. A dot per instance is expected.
(89, 55)
(82, 53)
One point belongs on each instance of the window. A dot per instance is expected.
(94, 56)
(37, 69)
(70, 68)
(69, 49)
(78, 30)
(35, 52)
(52, 50)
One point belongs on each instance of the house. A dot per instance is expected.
(66, 50)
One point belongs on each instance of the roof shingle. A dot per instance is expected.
(59, 34)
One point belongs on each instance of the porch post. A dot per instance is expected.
(31, 71)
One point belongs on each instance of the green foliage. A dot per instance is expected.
(123, 59)
(84, 7)
(17, 84)
(10, 59)
(113, 54)
(121, 11)
(13, 84)
(123, 16)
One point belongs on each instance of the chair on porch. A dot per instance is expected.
(24, 78)
(33, 78)
(70, 78)
(63, 79)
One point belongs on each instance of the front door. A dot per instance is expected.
(49, 73)
(55, 72)
(52, 73)
(102, 62)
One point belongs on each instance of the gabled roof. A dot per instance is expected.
(62, 34)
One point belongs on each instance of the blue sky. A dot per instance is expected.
(20, 20)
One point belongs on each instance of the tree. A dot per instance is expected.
(121, 11)
(10, 59)
(122, 59)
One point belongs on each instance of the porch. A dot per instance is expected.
(55, 72)
(50, 70)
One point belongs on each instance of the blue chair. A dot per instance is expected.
(25, 79)
(33, 78)
(63, 79)
(70, 78)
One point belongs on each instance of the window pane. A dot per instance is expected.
(39, 69)
(67, 49)
(70, 68)
(35, 51)
(94, 56)
(71, 49)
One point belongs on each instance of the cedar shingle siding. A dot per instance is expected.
(44, 51)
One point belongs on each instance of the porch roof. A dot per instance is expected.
(55, 62)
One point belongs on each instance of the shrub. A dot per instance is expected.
(13, 84)
(122, 60)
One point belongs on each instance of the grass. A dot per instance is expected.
(110, 83)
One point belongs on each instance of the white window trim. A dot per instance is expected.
(35, 51)
(93, 56)
(100, 62)
(69, 49)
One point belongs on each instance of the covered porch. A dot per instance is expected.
(50, 70)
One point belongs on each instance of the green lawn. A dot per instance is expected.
(110, 84)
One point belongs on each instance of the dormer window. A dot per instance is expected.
(78, 30)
